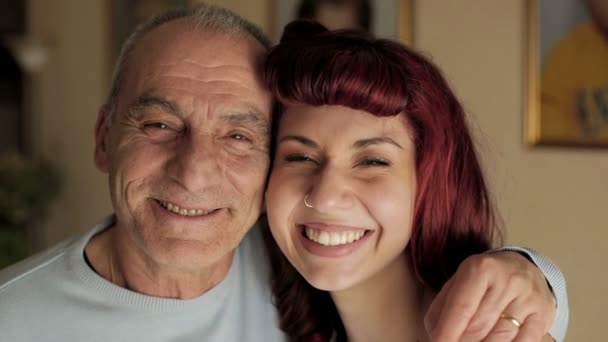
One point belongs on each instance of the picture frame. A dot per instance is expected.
(566, 82)
(391, 19)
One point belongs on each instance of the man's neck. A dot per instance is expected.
(388, 307)
(120, 262)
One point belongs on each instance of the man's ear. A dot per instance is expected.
(102, 135)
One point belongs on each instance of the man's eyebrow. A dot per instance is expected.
(300, 139)
(253, 119)
(147, 101)
(359, 144)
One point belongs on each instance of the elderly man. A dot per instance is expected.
(184, 138)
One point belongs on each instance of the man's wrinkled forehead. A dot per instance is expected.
(180, 50)
(181, 45)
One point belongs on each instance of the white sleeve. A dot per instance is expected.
(556, 281)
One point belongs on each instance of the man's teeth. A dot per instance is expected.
(181, 211)
(333, 238)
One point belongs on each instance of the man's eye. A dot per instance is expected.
(240, 137)
(160, 131)
(158, 125)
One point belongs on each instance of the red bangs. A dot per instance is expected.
(349, 70)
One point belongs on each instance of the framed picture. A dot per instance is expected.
(567, 76)
(384, 18)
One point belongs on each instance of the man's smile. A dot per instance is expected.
(174, 208)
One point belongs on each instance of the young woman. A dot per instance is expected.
(376, 193)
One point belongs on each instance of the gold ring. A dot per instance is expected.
(511, 319)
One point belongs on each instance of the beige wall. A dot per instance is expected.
(551, 198)
(554, 199)
(67, 94)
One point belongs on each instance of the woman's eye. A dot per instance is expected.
(375, 162)
(299, 158)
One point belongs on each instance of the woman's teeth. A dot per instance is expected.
(333, 238)
(182, 211)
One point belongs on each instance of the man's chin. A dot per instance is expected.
(190, 255)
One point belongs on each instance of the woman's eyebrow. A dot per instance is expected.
(300, 139)
(374, 141)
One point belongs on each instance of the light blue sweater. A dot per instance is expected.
(56, 296)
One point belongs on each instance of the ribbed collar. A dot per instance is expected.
(138, 301)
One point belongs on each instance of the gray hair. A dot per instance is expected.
(202, 16)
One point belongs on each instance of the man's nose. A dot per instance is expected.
(330, 190)
(196, 162)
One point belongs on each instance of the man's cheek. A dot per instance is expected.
(247, 172)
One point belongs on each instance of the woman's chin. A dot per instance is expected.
(332, 282)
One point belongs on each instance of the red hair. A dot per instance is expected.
(453, 215)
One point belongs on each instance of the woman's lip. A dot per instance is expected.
(335, 251)
(331, 227)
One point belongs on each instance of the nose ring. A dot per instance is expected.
(308, 205)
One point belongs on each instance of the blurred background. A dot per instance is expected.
(56, 59)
